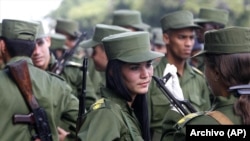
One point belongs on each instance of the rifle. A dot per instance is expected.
(38, 118)
(184, 107)
(57, 68)
(82, 95)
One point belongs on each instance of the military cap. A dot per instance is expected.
(178, 20)
(67, 26)
(132, 18)
(227, 41)
(212, 15)
(40, 33)
(101, 31)
(157, 36)
(131, 47)
(19, 29)
(57, 41)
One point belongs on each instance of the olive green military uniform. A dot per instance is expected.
(210, 15)
(73, 76)
(192, 81)
(110, 119)
(222, 104)
(228, 41)
(194, 89)
(51, 93)
(97, 78)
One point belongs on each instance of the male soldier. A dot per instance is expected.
(57, 45)
(71, 30)
(157, 43)
(130, 19)
(68, 28)
(208, 19)
(179, 34)
(157, 40)
(42, 58)
(17, 43)
(99, 56)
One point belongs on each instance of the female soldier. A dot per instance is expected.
(122, 112)
(227, 65)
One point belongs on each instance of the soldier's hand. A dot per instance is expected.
(62, 133)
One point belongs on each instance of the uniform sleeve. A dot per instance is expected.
(169, 132)
(100, 125)
(69, 110)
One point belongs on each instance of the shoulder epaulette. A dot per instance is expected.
(58, 76)
(75, 64)
(98, 104)
(197, 71)
(183, 121)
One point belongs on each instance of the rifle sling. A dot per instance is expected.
(220, 117)
(20, 73)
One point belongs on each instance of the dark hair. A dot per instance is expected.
(114, 82)
(17, 47)
(234, 70)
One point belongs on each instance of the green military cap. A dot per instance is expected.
(156, 37)
(132, 47)
(212, 15)
(40, 33)
(178, 20)
(101, 31)
(57, 41)
(226, 41)
(124, 17)
(67, 26)
(18, 29)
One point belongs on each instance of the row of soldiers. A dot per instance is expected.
(175, 39)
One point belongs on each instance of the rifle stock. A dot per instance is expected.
(184, 107)
(59, 65)
(20, 73)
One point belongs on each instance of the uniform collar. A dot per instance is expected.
(113, 96)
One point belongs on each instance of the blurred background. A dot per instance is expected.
(91, 12)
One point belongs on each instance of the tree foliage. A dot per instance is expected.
(91, 12)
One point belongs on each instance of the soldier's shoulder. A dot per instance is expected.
(74, 64)
(183, 121)
(56, 76)
(197, 71)
(99, 104)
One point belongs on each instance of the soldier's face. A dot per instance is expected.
(41, 54)
(100, 59)
(137, 76)
(180, 43)
(200, 32)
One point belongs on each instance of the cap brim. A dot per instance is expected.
(89, 43)
(142, 57)
(201, 53)
(198, 20)
(142, 26)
